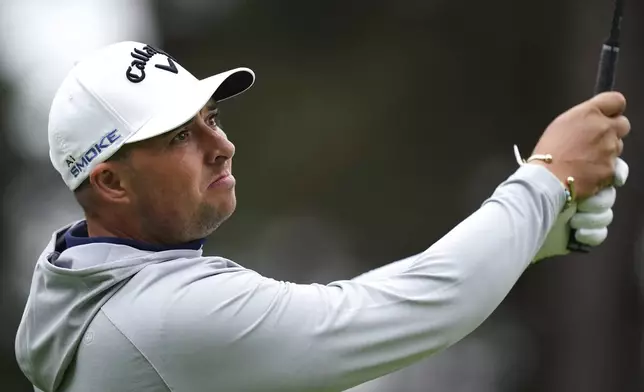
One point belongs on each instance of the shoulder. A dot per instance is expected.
(182, 309)
(160, 290)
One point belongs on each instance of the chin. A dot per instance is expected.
(225, 214)
(228, 205)
(210, 216)
(222, 208)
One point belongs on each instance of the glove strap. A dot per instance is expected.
(569, 186)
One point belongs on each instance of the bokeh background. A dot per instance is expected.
(374, 128)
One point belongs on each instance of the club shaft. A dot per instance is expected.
(605, 82)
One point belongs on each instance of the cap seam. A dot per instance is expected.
(105, 105)
(59, 138)
(61, 142)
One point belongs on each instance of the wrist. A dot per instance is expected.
(567, 182)
(546, 161)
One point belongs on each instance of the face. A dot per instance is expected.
(180, 184)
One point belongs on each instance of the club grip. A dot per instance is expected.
(607, 69)
(605, 82)
(576, 246)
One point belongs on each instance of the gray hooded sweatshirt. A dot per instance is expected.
(108, 315)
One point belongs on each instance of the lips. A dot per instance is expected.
(221, 177)
(225, 179)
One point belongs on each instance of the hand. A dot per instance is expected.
(590, 218)
(585, 141)
(595, 213)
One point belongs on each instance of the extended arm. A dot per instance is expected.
(314, 337)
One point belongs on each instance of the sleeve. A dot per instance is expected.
(291, 337)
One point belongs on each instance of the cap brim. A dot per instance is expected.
(186, 105)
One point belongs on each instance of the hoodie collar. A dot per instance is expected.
(78, 235)
(67, 290)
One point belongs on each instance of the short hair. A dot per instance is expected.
(81, 192)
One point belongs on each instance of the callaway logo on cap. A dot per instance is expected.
(124, 93)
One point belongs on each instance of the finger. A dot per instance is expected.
(610, 103)
(620, 146)
(601, 201)
(621, 172)
(591, 220)
(592, 237)
(621, 125)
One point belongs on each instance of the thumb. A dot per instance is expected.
(610, 103)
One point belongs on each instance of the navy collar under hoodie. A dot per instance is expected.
(78, 235)
(74, 276)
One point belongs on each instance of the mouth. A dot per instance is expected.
(224, 179)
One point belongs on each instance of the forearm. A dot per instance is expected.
(549, 187)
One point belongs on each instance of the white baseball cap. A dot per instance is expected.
(124, 93)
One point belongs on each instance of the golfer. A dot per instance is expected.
(125, 299)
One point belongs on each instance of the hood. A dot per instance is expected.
(68, 288)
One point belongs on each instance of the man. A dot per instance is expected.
(124, 300)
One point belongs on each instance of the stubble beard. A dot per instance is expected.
(205, 220)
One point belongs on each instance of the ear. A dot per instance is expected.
(111, 182)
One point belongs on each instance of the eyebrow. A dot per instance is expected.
(210, 105)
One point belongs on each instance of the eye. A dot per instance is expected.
(181, 137)
(213, 120)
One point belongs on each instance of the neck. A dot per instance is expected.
(118, 226)
(79, 235)
(96, 228)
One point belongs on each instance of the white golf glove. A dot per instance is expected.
(590, 218)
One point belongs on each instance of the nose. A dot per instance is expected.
(218, 149)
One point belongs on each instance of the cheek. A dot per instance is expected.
(166, 202)
(180, 189)
(170, 188)
(170, 180)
